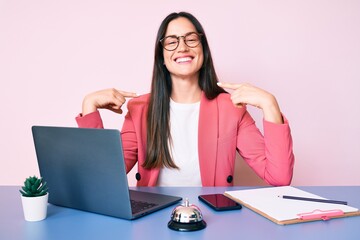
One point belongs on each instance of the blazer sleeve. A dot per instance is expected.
(91, 120)
(130, 143)
(269, 155)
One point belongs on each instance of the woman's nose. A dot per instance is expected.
(182, 44)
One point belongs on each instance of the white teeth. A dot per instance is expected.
(185, 59)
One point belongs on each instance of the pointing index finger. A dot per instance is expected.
(128, 94)
(229, 85)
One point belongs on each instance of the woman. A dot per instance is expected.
(187, 130)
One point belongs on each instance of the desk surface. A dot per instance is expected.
(65, 223)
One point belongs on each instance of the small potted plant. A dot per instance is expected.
(34, 199)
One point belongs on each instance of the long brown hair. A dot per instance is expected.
(158, 123)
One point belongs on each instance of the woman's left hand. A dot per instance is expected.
(247, 94)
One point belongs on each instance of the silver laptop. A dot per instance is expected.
(85, 169)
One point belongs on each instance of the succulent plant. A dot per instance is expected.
(34, 187)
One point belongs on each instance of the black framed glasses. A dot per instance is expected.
(191, 39)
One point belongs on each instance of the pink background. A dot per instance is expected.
(307, 53)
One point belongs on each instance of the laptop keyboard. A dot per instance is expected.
(138, 206)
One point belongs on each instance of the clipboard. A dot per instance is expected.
(266, 202)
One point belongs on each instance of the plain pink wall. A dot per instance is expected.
(307, 53)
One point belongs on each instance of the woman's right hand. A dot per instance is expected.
(111, 99)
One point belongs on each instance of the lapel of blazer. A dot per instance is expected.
(207, 139)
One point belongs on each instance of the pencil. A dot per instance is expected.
(313, 199)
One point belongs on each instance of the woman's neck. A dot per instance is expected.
(185, 91)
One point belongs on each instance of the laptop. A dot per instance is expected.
(84, 169)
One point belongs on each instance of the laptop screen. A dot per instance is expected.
(85, 169)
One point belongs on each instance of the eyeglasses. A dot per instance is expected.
(191, 39)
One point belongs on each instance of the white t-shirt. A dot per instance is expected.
(184, 121)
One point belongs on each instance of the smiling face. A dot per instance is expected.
(184, 61)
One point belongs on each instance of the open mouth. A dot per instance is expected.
(183, 59)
